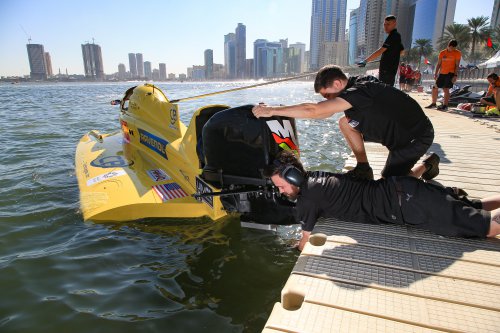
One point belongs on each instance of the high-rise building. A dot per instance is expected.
(209, 64)
(296, 57)
(431, 18)
(156, 74)
(328, 18)
(132, 63)
(241, 50)
(148, 71)
(92, 61)
(122, 72)
(140, 65)
(197, 73)
(353, 29)
(230, 55)
(361, 34)
(48, 64)
(495, 15)
(163, 71)
(333, 53)
(36, 57)
(268, 59)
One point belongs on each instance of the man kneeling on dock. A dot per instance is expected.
(398, 200)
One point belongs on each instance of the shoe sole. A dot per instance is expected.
(433, 161)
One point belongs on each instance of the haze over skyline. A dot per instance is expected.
(173, 33)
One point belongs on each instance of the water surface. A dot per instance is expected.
(61, 274)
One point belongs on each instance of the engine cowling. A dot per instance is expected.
(236, 148)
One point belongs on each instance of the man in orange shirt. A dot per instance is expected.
(447, 69)
(493, 95)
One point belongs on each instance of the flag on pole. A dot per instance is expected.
(490, 44)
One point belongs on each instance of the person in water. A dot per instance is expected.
(373, 111)
(399, 200)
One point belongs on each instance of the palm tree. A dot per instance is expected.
(424, 47)
(478, 30)
(459, 32)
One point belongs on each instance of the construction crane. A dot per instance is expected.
(29, 37)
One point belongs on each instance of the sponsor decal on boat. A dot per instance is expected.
(158, 175)
(110, 162)
(283, 135)
(106, 176)
(173, 118)
(169, 191)
(202, 187)
(154, 143)
(86, 170)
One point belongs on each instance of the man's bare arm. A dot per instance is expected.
(305, 110)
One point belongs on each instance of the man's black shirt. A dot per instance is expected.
(325, 194)
(383, 114)
(390, 58)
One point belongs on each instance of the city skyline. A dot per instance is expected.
(271, 20)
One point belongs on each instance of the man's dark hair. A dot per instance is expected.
(453, 43)
(390, 18)
(282, 160)
(326, 76)
(493, 76)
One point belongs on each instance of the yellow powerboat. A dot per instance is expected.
(156, 166)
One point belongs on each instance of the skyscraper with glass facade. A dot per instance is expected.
(132, 63)
(268, 59)
(163, 71)
(241, 50)
(230, 55)
(92, 61)
(36, 57)
(431, 18)
(209, 64)
(328, 19)
(495, 14)
(140, 65)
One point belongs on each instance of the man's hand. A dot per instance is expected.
(262, 110)
(362, 63)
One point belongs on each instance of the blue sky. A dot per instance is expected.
(175, 32)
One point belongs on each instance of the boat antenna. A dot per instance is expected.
(252, 86)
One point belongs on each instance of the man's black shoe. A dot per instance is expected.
(432, 165)
(361, 173)
(442, 107)
(431, 106)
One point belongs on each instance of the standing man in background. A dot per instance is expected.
(445, 74)
(390, 51)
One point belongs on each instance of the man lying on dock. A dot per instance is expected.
(398, 200)
(373, 111)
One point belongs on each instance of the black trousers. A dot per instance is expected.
(387, 77)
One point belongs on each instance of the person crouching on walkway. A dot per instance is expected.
(492, 97)
(373, 111)
(397, 200)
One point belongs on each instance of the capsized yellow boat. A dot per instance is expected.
(156, 166)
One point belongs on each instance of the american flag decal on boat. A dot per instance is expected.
(169, 191)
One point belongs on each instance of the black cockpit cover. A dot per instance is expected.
(237, 147)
